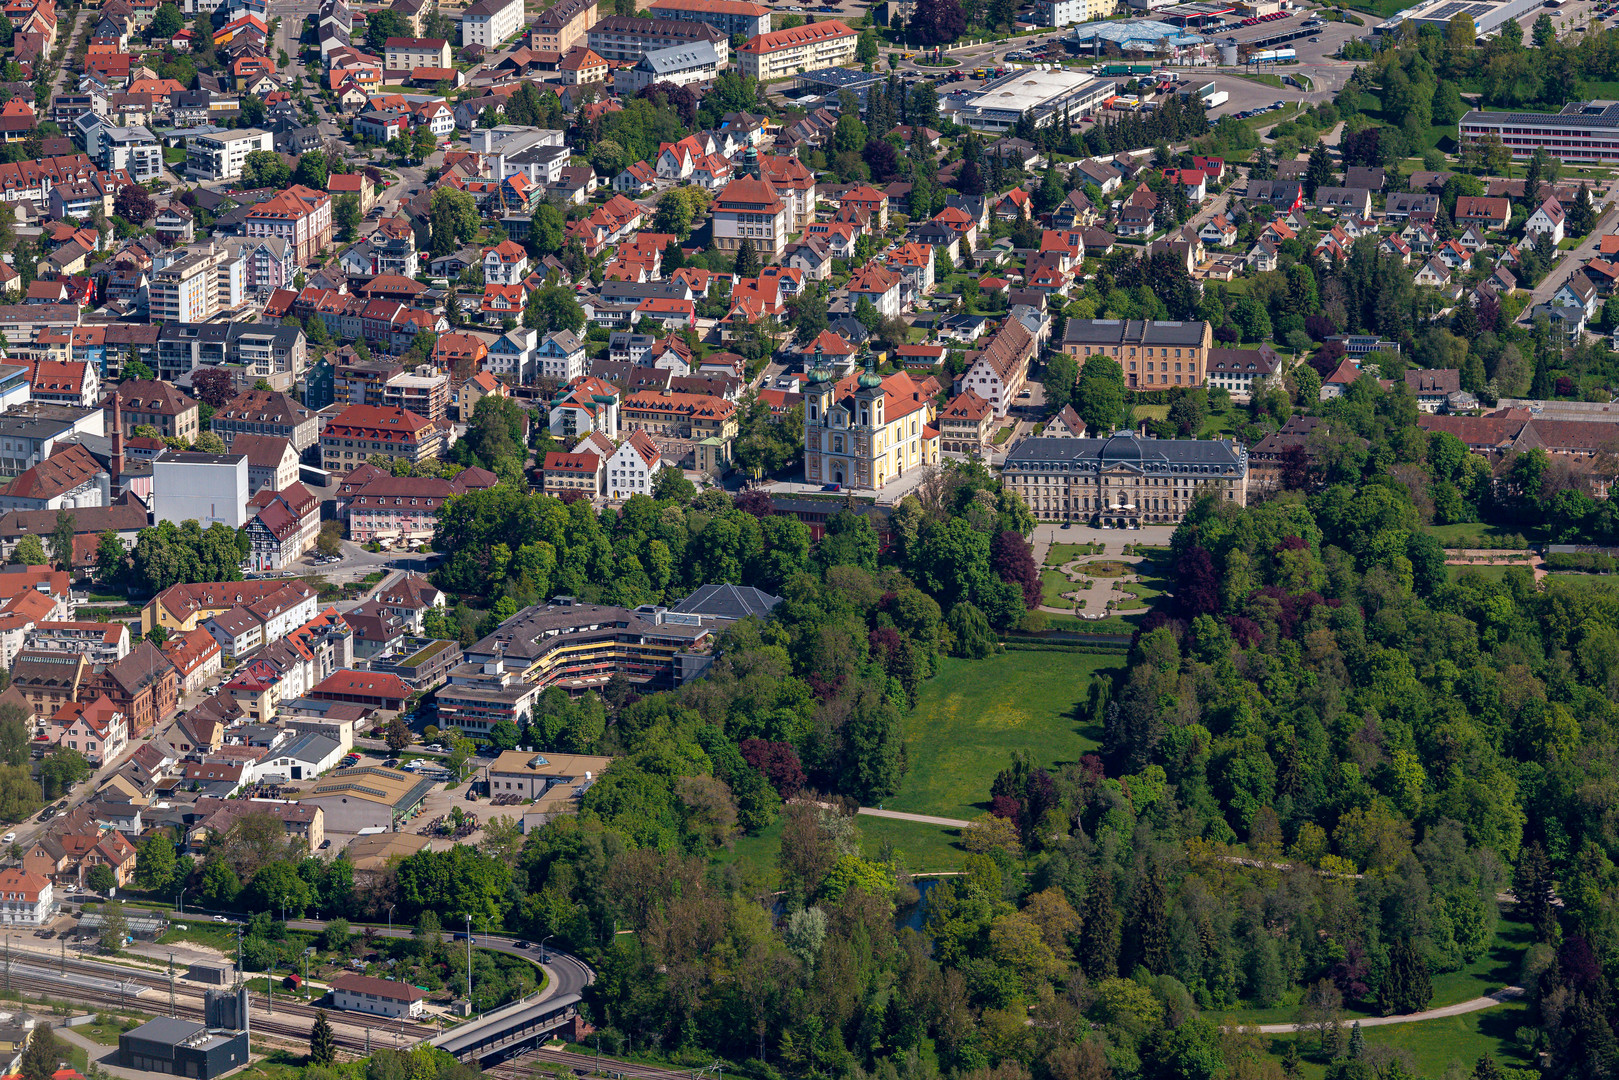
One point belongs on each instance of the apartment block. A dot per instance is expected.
(198, 286)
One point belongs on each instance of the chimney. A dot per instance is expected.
(116, 464)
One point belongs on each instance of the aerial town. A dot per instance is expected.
(879, 540)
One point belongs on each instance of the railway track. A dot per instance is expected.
(159, 982)
(535, 1063)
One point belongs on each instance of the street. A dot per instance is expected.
(1571, 261)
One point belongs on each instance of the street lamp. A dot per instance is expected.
(390, 919)
(543, 940)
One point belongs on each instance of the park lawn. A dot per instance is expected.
(975, 713)
(1150, 412)
(1113, 624)
(1264, 77)
(1469, 534)
(1220, 424)
(1488, 573)
(918, 846)
(1433, 1044)
(1061, 554)
(1053, 584)
(921, 847)
(1002, 435)
(1498, 967)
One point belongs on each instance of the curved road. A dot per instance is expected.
(565, 972)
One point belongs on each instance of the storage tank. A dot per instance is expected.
(1228, 52)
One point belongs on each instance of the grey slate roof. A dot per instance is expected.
(1132, 332)
(679, 58)
(1202, 456)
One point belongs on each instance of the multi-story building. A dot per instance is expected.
(803, 48)
(219, 156)
(562, 26)
(205, 488)
(490, 22)
(505, 264)
(792, 180)
(199, 285)
(751, 209)
(561, 357)
(100, 643)
(1069, 12)
(863, 431)
(300, 216)
(249, 351)
(585, 405)
(965, 424)
(674, 415)
(729, 17)
(26, 899)
(267, 412)
(624, 38)
(154, 403)
(131, 149)
(998, 371)
(1123, 480)
(409, 53)
(362, 431)
(398, 507)
(678, 65)
(425, 393)
(1582, 131)
(65, 382)
(270, 262)
(380, 997)
(574, 646)
(1154, 354)
(632, 468)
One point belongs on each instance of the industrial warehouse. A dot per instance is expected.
(1042, 94)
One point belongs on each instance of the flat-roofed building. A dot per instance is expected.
(1045, 95)
(368, 797)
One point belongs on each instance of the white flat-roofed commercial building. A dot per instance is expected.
(220, 156)
(1043, 94)
(206, 488)
(1488, 15)
(1583, 131)
(382, 997)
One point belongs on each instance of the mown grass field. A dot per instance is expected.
(1469, 534)
(974, 714)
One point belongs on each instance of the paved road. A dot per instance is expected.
(1490, 1001)
(1570, 262)
(567, 974)
(925, 819)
